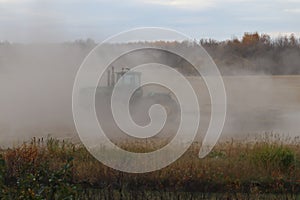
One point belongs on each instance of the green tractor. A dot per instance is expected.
(141, 100)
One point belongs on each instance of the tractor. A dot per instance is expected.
(141, 100)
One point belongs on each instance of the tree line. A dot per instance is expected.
(253, 53)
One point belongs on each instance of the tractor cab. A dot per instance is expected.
(128, 78)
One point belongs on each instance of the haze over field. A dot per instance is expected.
(36, 86)
(38, 63)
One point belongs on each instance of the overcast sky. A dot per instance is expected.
(67, 20)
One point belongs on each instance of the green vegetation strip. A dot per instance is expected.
(53, 169)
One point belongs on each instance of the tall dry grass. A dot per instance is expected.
(267, 165)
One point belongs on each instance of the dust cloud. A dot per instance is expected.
(36, 96)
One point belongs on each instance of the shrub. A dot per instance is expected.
(33, 179)
(274, 157)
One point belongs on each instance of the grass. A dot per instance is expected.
(53, 169)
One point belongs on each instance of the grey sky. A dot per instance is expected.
(65, 20)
